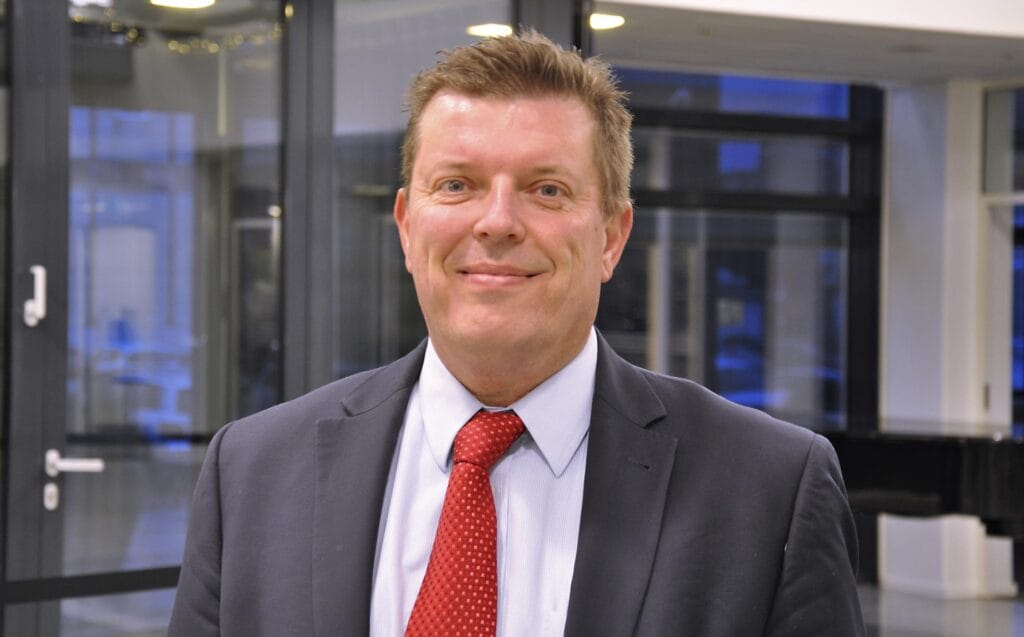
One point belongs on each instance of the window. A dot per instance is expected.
(755, 198)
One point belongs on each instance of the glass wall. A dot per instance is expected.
(682, 91)
(1004, 180)
(144, 614)
(1004, 141)
(752, 302)
(379, 47)
(724, 281)
(1017, 373)
(729, 162)
(174, 256)
(752, 305)
(4, 190)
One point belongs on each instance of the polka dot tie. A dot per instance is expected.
(459, 593)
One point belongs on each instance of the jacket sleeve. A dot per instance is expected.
(196, 610)
(817, 589)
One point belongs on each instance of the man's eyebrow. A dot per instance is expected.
(457, 166)
(553, 169)
(448, 165)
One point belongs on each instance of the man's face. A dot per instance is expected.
(502, 224)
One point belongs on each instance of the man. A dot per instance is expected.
(631, 504)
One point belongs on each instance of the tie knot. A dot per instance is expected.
(487, 436)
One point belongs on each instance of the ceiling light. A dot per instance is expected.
(601, 21)
(489, 30)
(182, 4)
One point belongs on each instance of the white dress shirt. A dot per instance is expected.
(538, 494)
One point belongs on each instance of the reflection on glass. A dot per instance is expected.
(1004, 141)
(753, 306)
(174, 254)
(649, 88)
(379, 47)
(1018, 315)
(678, 160)
(128, 615)
(4, 207)
(134, 514)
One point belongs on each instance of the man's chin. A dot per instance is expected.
(495, 335)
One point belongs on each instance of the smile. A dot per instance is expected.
(495, 275)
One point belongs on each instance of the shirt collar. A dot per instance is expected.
(556, 412)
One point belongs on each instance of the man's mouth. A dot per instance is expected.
(495, 273)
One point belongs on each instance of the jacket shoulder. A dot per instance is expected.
(699, 416)
(353, 394)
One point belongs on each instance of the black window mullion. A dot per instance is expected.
(92, 585)
(308, 195)
(718, 121)
(864, 273)
(864, 255)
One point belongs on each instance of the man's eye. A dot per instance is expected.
(550, 190)
(454, 185)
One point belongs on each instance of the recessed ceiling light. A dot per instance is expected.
(602, 21)
(182, 4)
(489, 30)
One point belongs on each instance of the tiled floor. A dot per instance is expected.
(893, 614)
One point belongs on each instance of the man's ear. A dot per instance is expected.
(401, 212)
(616, 233)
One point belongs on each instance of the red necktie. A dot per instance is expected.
(459, 593)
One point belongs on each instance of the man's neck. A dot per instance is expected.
(497, 377)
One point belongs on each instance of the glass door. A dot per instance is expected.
(146, 225)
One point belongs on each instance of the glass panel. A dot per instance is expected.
(1018, 316)
(733, 93)
(658, 64)
(681, 160)
(751, 305)
(174, 253)
(380, 46)
(128, 615)
(1004, 141)
(4, 206)
(134, 514)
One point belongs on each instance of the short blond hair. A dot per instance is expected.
(531, 65)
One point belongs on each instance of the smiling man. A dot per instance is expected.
(505, 236)
(512, 475)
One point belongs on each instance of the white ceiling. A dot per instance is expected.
(686, 39)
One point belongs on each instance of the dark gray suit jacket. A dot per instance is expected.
(700, 517)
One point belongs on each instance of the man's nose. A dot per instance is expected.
(500, 220)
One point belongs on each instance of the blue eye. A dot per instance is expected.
(454, 185)
(550, 190)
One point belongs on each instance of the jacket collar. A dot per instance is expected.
(628, 469)
(626, 482)
(353, 460)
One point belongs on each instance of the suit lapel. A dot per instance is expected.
(353, 460)
(628, 469)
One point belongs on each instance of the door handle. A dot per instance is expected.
(35, 308)
(56, 465)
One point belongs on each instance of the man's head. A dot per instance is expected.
(505, 221)
(531, 65)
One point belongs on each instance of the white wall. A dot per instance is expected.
(934, 322)
(978, 17)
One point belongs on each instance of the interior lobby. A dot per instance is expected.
(196, 201)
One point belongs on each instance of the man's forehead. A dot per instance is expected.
(459, 102)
